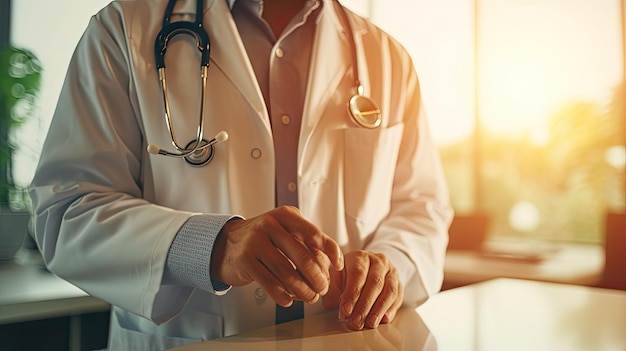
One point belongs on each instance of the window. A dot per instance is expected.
(525, 100)
(549, 103)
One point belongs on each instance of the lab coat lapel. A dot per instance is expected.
(329, 63)
(228, 54)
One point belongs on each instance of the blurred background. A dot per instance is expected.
(525, 100)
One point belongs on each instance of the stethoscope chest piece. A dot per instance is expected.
(202, 155)
(364, 111)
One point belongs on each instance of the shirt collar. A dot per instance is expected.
(230, 3)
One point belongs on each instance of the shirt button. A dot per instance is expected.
(260, 294)
(285, 120)
(292, 186)
(279, 53)
(256, 153)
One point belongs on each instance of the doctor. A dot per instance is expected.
(303, 202)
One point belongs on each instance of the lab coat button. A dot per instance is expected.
(260, 294)
(292, 186)
(285, 120)
(255, 153)
(279, 53)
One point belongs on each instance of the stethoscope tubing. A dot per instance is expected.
(168, 31)
(364, 111)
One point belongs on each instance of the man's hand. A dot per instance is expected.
(368, 290)
(285, 254)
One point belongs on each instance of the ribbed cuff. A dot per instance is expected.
(189, 258)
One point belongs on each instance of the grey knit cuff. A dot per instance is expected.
(189, 258)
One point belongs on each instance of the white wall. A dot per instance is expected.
(51, 30)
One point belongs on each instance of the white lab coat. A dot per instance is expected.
(107, 210)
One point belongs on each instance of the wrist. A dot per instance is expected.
(218, 255)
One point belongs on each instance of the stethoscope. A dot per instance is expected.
(365, 112)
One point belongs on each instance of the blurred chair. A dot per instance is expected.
(614, 274)
(467, 232)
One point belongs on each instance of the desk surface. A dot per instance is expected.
(501, 314)
(509, 314)
(561, 263)
(29, 292)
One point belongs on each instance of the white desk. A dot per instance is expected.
(29, 292)
(509, 314)
(501, 314)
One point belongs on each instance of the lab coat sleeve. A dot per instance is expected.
(414, 235)
(92, 224)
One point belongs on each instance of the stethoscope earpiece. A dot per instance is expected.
(204, 153)
(195, 153)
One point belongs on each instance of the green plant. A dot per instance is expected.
(20, 77)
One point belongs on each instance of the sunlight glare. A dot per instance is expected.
(532, 61)
(524, 216)
(616, 156)
(517, 92)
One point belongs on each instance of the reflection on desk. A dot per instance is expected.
(510, 314)
(501, 314)
(326, 332)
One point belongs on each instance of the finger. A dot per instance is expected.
(386, 301)
(379, 267)
(356, 270)
(272, 270)
(311, 235)
(284, 271)
(312, 270)
(331, 299)
(268, 282)
(389, 316)
(324, 263)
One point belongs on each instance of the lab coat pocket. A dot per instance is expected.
(370, 157)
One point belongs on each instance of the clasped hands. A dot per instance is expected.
(292, 259)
